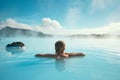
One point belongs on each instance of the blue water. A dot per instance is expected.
(102, 60)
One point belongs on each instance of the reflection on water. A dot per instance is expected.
(15, 50)
(60, 64)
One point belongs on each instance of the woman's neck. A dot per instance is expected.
(59, 52)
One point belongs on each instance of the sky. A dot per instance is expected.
(62, 16)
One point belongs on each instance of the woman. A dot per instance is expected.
(59, 48)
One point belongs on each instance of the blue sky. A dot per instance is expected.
(70, 14)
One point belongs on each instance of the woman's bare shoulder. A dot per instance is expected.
(45, 55)
(66, 55)
(75, 54)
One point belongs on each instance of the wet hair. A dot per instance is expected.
(59, 47)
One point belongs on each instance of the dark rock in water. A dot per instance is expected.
(16, 44)
(15, 47)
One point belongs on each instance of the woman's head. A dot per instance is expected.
(59, 47)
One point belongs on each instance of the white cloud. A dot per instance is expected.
(13, 23)
(112, 28)
(53, 27)
(72, 17)
(114, 16)
(73, 14)
(48, 25)
(100, 4)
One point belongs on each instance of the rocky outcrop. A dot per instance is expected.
(17, 32)
(15, 47)
(16, 44)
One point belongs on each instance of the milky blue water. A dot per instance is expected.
(102, 60)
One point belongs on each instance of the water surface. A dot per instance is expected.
(102, 60)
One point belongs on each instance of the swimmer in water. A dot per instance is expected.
(59, 52)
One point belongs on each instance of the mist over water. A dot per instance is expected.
(102, 60)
